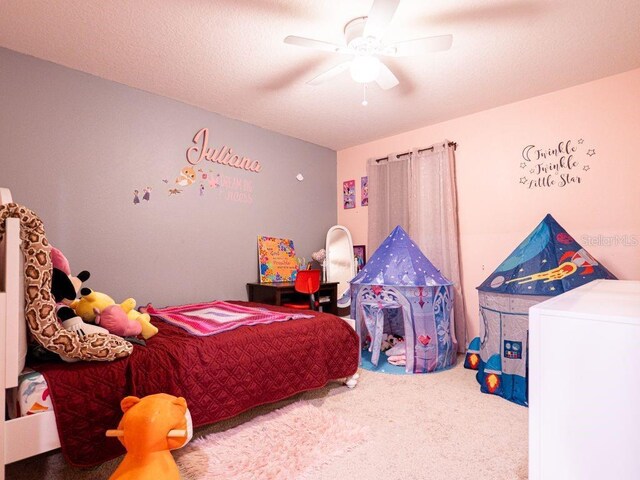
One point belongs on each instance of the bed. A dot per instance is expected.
(220, 376)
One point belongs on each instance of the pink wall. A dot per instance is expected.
(496, 212)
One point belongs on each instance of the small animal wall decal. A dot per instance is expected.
(187, 177)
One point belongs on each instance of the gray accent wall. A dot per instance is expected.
(74, 147)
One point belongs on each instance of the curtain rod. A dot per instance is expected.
(451, 144)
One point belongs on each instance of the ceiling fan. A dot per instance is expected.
(364, 39)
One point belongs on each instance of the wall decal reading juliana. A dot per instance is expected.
(200, 180)
(224, 156)
(560, 165)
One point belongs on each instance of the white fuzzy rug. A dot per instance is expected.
(286, 445)
(434, 426)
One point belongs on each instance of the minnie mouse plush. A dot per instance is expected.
(64, 286)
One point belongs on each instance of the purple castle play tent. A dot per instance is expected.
(400, 292)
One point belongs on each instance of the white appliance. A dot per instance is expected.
(584, 383)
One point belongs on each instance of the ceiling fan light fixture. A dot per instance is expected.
(365, 41)
(365, 68)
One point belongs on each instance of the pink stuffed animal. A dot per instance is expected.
(114, 319)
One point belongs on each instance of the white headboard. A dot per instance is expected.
(12, 284)
(5, 196)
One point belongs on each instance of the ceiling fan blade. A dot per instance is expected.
(386, 79)
(379, 18)
(419, 46)
(332, 72)
(316, 44)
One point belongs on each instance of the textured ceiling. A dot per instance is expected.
(227, 56)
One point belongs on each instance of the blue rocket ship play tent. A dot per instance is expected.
(400, 292)
(547, 263)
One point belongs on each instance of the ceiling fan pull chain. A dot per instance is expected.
(364, 95)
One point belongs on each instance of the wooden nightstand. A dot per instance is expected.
(278, 293)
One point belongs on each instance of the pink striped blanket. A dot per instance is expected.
(204, 319)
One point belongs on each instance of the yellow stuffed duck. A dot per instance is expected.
(149, 429)
(86, 307)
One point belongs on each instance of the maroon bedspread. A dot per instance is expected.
(220, 376)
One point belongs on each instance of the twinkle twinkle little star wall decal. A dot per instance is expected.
(558, 165)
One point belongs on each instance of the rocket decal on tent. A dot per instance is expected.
(493, 374)
(472, 359)
(558, 273)
(582, 259)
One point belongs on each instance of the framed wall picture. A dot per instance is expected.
(364, 191)
(349, 194)
(360, 253)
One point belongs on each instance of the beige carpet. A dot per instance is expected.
(435, 426)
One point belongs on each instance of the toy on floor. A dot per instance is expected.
(389, 341)
(397, 355)
(91, 300)
(547, 263)
(399, 291)
(149, 429)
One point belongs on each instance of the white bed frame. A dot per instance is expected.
(25, 436)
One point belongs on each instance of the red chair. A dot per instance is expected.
(307, 282)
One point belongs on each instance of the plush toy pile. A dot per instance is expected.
(40, 304)
(93, 312)
(59, 321)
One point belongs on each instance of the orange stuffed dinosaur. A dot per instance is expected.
(149, 429)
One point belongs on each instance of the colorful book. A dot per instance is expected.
(277, 260)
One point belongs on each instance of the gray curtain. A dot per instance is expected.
(418, 192)
(388, 198)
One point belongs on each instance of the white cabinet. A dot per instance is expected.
(584, 383)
